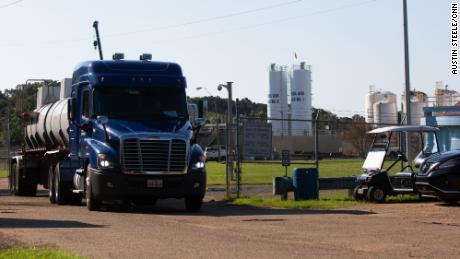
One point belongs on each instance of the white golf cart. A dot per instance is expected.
(375, 184)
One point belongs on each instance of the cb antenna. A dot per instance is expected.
(97, 42)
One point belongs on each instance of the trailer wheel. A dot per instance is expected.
(22, 186)
(376, 194)
(63, 191)
(193, 203)
(51, 186)
(356, 195)
(92, 203)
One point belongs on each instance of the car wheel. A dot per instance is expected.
(450, 201)
(376, 194)
(193, 203)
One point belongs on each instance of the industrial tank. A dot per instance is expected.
(444, 96)
(385, 112)
(387, 98)
(49, 126)
(417, 102)
(277, 107)
(301, 100)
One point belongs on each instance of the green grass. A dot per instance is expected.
(402, 198)
(264, 173)
(3, 173)
(324, 202)
(35, 252)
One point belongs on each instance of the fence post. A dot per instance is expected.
(238, 157)
(316, 140)
(8, 147)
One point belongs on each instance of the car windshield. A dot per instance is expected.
(126, 103)
(431, 144)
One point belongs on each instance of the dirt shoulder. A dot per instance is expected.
(221, 231)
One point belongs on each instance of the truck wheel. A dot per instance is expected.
(92, 203)
(63, 191)
(376, 194)
(51, 188)
(12, 179)
(22, 186)
(193, 203)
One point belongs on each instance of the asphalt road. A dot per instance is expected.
(220, 231)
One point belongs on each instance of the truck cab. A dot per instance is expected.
(129, 137)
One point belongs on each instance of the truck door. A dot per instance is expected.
(80, 99)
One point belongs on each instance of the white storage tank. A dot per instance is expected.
(371, 98)
(277, 107)
(418, 101)
(385, 112)
(301, 103)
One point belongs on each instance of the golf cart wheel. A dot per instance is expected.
(356, 195)
(376, 194)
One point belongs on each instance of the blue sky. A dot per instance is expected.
(350, 44)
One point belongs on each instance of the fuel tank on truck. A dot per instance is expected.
(50, 128)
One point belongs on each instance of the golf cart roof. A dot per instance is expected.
(411, 128)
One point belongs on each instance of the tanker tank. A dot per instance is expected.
(49, 128)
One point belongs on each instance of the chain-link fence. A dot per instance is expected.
(256, 146)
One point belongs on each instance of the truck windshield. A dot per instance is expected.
(127, 103)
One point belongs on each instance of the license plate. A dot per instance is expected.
(154, 183)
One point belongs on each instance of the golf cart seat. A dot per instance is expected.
(404, 174)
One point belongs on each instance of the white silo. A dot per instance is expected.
(277, 107)
(386, 111)
(417, 102)
(371, 97)
(301, 100)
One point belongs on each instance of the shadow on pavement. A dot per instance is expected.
(221, 209)
(41, 223)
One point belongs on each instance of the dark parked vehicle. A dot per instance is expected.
(439, 176)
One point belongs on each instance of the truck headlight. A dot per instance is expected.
(200, 164)
(103, 161)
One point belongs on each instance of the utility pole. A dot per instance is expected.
(407, 75)
(8, 143)
(97, 43)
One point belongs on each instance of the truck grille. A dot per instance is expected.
(153, 155)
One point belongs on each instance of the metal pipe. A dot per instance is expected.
(98, 43)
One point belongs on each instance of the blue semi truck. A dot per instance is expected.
(119, 130)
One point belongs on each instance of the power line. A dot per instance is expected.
(216, 18)
(203, 20)
(266, 23)
(10, 4)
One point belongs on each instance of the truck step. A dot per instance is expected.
(78, 191)
(80, 171)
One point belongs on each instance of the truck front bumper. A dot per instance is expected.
(114, 185)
